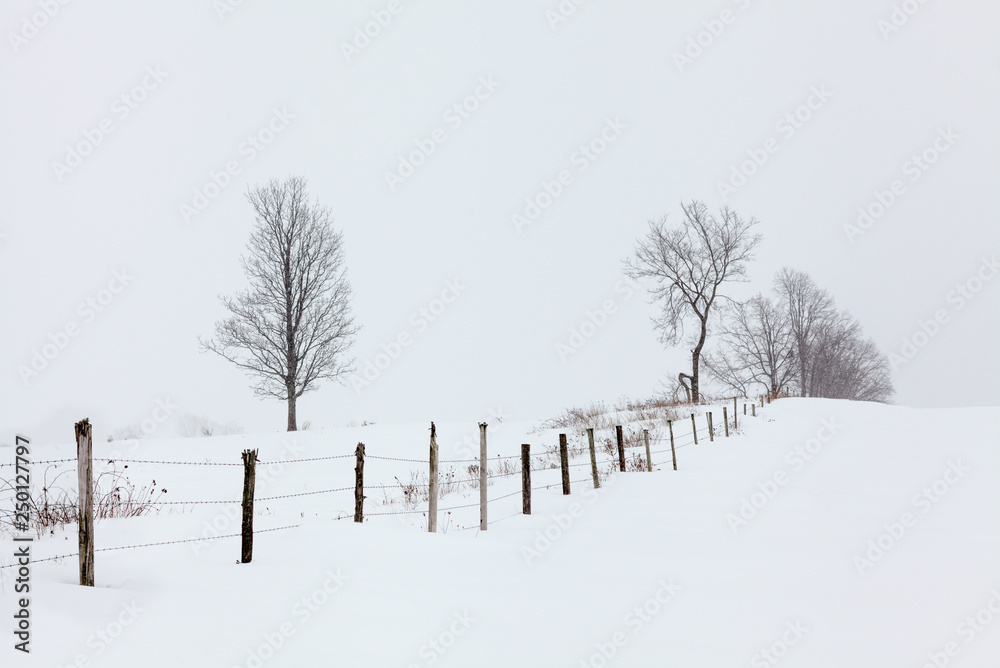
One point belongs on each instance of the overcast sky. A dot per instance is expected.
(120, 117)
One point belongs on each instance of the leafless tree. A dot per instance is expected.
(808, 307)
(293, 326)
(690, 265)
(756, 348)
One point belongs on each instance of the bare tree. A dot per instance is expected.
(689, 266)
(756, 348)
(293, 326)
(808, 307)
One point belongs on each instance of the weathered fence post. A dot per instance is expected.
(735, 411)
(564, 462)
(754, 406)
(483, 477)
(673, 452)
(526, 478)
(649, 457)
(744, 409)
(85, 481)
(432, 484)
(249, 480)
(593, 458)
(711, 431)
(725, 419)
(621, 447)
(359, 484)
(694, 429)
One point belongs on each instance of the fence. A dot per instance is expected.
(529, 464)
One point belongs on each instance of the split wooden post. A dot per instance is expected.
(359, 484)
(85, 481)
(483, 477)
(432, 487)
(621, 447)
(711, 430)
(694, 429)
(673, 452)
(249, 481)
(725, 419)
(649, 457)
(564, 462)
(593, 458)
(526, 478)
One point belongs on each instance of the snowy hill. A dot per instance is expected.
(825, 533)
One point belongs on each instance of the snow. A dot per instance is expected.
(652, 569)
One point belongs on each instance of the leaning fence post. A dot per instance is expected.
(649, 457)
(85, 482)
(711, 429)
(359, 484)
(249, 478)
(564, 462)
(593, 458)
(483, 471)
(526, 478)
(725, 419)
(621, 447)
(432, 486)
(694, 429)
(673, 452)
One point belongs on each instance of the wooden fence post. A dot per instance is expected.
(711, 430)
(621, 447)
(483, 477)
(85, 482)
(249, 480)
(725, 419)
(744, 409)
(694, 429)
(735, 411)
(432, 486)
(673, 452)
(526, 478)
(359, 484)
(564, 462)
(754, 406)
(649, 457)
(593, 458)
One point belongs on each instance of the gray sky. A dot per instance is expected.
(157, 98)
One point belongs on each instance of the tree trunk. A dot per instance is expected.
(696, 359)
(291, 412)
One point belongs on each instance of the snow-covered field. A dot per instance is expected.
(825, 533)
